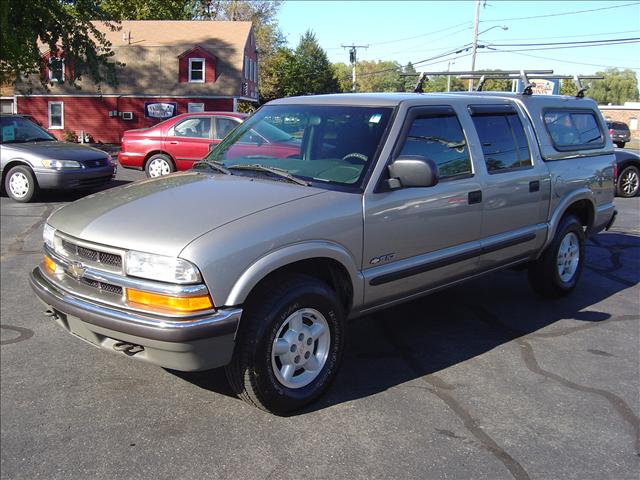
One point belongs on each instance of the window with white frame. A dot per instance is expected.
(56, 115)
(196, 70)
(195, 107)
(56, 69)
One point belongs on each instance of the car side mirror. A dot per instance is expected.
(412, 171)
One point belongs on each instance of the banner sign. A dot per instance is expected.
(160, 109)
(542, 86)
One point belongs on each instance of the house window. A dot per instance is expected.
(633, 123)
(195, 107)
(196, 70)
(56, 69)
(56, 115)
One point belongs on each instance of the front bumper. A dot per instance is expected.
(74, 178)
(192, 345)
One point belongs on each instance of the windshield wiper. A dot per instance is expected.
(256, 167)
(217, 166)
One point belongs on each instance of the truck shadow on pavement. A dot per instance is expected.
(57, 196)
(417, 340)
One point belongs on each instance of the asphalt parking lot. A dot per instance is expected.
(482, 381)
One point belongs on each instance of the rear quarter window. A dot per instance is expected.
(573, 129)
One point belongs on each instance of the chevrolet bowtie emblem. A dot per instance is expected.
(76, 270)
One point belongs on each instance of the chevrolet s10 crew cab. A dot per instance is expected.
(255, 262)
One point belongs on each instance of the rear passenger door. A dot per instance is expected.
(421, 237)
(515, 187)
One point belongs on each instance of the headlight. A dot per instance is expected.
(59, 164)
(159, 267)
(47, 235)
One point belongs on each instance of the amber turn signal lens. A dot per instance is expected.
(49, 264)
(168, 303)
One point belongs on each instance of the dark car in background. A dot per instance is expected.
(31, 159)
(619, 133)
(628, 173)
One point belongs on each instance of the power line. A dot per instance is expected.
(421, 35)
(490, 47)
(564, 61)
(593, 42)
(559, 14)
(571, 36)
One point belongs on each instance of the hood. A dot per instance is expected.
(60, 150)
(162, 215)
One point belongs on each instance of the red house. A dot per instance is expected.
(170, 67)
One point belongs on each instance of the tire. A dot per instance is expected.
(310, 351)
(620, 144)
(20, 184)
(547, 277)
(159, 165)
(628, 182)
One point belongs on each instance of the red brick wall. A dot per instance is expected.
(91, 114)
(623, 115)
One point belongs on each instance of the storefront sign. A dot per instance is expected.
(160, 109)
(542, 86)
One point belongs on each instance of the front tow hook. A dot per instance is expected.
(127, 348)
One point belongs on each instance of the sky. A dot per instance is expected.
(413, 31)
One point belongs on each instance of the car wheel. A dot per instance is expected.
(158, 165)
(620, 144)
(289, 345)
(556, 272)
(628, 182)
(20, 184)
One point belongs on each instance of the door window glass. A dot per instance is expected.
(193, 127)
(224, 126)
(503, 141)
(439, 138)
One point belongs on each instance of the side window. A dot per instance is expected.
(224, 126)
(439, 138)
(193, 127)
(573, 129)
(503, 141)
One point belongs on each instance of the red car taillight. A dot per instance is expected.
(611, 132)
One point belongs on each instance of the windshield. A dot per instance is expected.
(20, 130)
(320, 144)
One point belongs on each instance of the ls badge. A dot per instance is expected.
(382, 258)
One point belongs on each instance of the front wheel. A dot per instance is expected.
(159, 165)
(289, 346)
(20, 184)
(556, 273)
(628, 182)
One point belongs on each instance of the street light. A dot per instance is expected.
(475, 46)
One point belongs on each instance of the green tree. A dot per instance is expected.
(26, 30)
(343, 75)
(275, 74)
(438, 83)
(568, 87)
(410, 80)
(147, 9)
(310, 71)
(617, 87)
(380, 76)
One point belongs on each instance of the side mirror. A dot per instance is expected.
(412, 171)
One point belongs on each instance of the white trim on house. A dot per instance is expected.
(13, 103)
(191, 70)
(56, 127)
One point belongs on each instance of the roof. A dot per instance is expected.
(172, 33)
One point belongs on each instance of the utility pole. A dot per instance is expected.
(449, 76)
(353, 59)
(475, 43)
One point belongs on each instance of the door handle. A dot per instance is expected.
(534, 186)
(173, 143)
(475, 197)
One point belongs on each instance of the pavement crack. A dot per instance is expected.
(442, 390)
(531, 362)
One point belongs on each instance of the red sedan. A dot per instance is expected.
(177, 143)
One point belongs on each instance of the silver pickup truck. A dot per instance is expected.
(255, 259)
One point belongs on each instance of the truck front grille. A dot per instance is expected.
(103, 287)
(92, 255)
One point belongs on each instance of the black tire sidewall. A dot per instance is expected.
(164, 157)
(32, 183)
(569, 225)
(272, 393)
(619, 183)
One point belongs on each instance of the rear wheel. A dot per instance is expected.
(620, 144)
(20, 184)
(159, 165)
(628, 182)
(289, 346)
(556, 272)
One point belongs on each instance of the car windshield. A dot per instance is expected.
(21, 130)
(319, 144)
